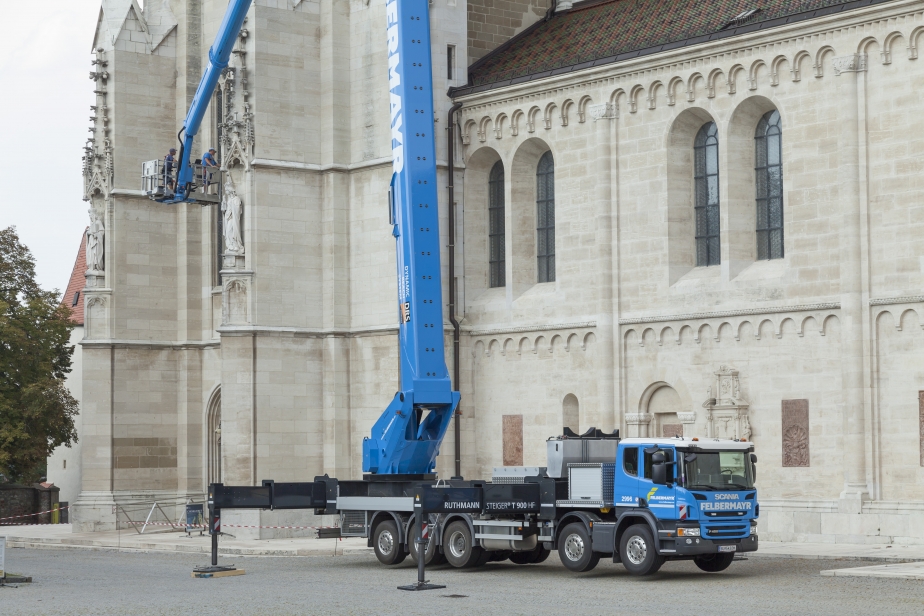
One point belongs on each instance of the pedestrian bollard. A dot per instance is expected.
(421, 543)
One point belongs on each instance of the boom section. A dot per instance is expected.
(219, 55)
(406, 438)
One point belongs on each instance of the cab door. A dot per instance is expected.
(660, 499)
(625, 490)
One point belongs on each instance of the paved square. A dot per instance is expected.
(74, 581)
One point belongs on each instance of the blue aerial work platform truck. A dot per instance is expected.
(638, 501)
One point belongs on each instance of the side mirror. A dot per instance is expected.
(658, 457)
(659, 474)
(753, 458)
(689, 457)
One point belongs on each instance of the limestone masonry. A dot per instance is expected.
(615, 215)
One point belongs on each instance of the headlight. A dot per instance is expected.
(688, 532)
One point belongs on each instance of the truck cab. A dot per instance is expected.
(676, 498)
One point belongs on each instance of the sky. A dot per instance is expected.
(45, 55)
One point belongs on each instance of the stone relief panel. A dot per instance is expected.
(726, 410)
(512, 427)
(795, 423)
(670, 430)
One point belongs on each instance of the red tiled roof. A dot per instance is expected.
(77, 282)
(598, 32)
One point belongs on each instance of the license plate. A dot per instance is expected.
(728, 548)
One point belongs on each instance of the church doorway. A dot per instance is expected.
(213, 439)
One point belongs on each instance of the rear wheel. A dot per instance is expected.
(386, 545)
(458, 546)
(638, 551)
(500, 555)
(574, 549)
(714, 563)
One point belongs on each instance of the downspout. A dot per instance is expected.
(456, 328)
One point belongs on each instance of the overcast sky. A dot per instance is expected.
(44, 68)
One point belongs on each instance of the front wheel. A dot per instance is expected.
(574, 549)
(714, 562)
(638, 551)
(386, 545)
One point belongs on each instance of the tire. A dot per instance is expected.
(458, 546)
(500, 555)
(532, 557)
(638, 551)
(385, 542)
(524, 558)
(713, 563)
(574, 549)
(432, 554)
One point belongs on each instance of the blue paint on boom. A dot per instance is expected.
(407, 437)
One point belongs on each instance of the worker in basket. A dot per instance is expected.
(209, 170)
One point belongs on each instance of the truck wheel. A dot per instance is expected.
(532, 557)
(638, 551)
(542, 555)
(500, 555)
(714, 563)
(458, 546)
(574, 549)
(386, 545)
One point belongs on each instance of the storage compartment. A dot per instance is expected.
(563, 451)
(591, 483)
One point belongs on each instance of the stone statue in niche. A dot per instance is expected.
(96, 236)
(727, 412)
(231, 218)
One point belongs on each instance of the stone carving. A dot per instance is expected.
(236, 130)
(671, 430)
(603, 111)
(726, 410)
(921, 422)
(235, 303)
(853, 63)
(512, 426)
(96, 235)
(231, 219)
(795, 423)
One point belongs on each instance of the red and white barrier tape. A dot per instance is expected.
(29, 515)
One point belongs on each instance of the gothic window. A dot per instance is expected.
(768, 141)
(496, 243)
(545, 218)
(706, 174)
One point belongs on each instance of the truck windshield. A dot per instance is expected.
(719, 470)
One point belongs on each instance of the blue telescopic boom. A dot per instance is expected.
(406, 438)
(219, 54)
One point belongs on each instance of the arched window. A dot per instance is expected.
(545, 218)
(496, 243)
(768, 141)
(706, 173)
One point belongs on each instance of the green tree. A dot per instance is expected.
(36, 409)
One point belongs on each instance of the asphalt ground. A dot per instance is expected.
(72, 581)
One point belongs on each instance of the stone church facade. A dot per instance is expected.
(695, 225)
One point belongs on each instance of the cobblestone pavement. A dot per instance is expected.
(85, 582)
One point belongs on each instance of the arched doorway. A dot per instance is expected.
(663, 407)
(213, 439)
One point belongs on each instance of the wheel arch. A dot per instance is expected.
(452, 517)
(379, 516)
(631, 518)
(584, 517)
